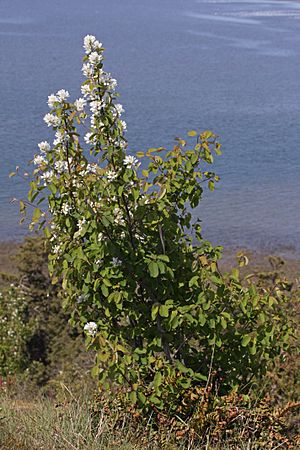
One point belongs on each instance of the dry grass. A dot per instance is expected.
(43, 424)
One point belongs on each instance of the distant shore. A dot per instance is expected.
(258, 261)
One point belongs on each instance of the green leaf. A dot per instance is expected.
(141, 398)
(36, 214)
(154, 311)
(156, 401)
(162, 193)
(193, 281)
(153, 269)
(104, 290)
(223, 323)
(157, 380)
(211, 185)
(164, 311)
(216, 280)
(163, 258)
(133, 397)
(181, 367)
(246, 339)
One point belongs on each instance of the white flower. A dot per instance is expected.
(92, 168)
(87, 70)
(82, 298)
(44, 146)
(109, 82)
(116, 262)
(95, 58)
(60, 136)
(91, 328)
(111, 175)
(119, 109)
(90, 43)
(47, 176)
(119, 142)
(96, 122)
(96, 106)
(39, 159)
(80, 104)
(130, 161)
(81, 223)
(123, 125)
(61, 166)
(86, 90)
(62, 95)
(56, 249)
(51, 120)
(51, 100)
(66, 208)
(119, 220)
(89, 139)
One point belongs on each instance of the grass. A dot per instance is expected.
(31, 421)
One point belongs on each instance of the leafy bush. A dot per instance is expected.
(36, 341)
(136, 272)
(14, 331)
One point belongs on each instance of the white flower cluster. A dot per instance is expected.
(90, 138)
(61, 166)
(61, 137)
(81, 223)
(61, 96)
(66, 208)
(82, 298)
(123, 125)
(56, 249)
(90, 44)
(39, 159)
(47, 176)
(119, 109)
(130, 162)
(44, 147)
(97, 92)
(51, 120)
(111, 175)
(118, 216)
(91, 328)
(80, 104)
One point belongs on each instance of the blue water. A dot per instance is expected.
(229, 66)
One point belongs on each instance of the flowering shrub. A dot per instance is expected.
(14, 331)
(136, 272)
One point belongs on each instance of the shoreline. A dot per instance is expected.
(258, 260)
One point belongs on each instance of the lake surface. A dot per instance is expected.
(229, 66)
